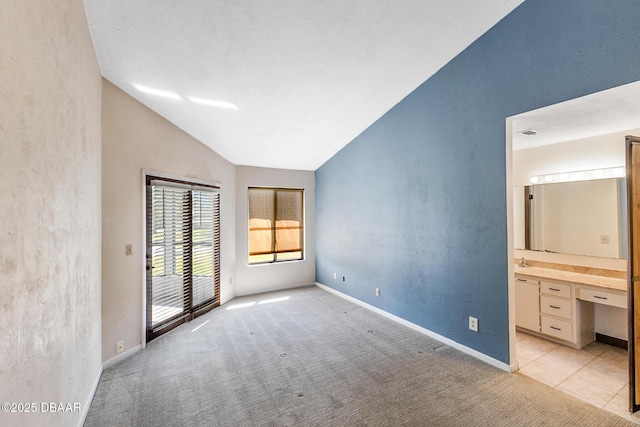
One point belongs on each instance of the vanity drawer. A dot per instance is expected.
(603, 297)
(558, 328)
(528, 281)
(555, 289)
(555, 306)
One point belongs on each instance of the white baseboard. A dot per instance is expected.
(119, 358)
(463, 348)
(271, 289)
(87, 404)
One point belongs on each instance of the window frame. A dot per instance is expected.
(274, 252)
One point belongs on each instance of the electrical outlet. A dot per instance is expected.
(335, 276)
(344, 279)
(377, 292)
(119, 347)
(604, 239)
(128, 250)
(473, 324)
(231, 280)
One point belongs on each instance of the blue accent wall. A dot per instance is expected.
(416, 205)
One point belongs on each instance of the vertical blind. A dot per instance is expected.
(276, 230)
(183, 254)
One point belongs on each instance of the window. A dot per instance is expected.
(276, 230)
(183, 252)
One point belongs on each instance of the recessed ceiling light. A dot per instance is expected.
(213, 103)
(157, 92)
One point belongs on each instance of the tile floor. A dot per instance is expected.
(597, 373)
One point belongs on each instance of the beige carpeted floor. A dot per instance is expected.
(306, 357)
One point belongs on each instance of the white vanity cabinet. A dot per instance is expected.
(553, 310)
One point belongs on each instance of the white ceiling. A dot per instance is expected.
(609, 111)
(307, 76)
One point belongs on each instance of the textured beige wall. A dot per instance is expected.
(50, 205)
(136, 138)
(253, 279)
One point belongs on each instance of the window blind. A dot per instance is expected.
(205, 244)
(183, 253)
(276, 230)
(170, 229)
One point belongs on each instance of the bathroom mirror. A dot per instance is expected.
(578, 218)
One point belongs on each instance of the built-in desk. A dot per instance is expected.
(559, 305)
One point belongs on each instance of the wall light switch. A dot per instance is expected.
(377, 292)
(128, 250)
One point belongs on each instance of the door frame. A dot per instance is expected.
(511, 286)
(633, 319)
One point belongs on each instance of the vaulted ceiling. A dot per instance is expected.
(285, 83)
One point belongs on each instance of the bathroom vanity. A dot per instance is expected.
(559, 305)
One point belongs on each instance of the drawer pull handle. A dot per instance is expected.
(555, 306)
(599, 297)
(553, 327)
(522, 280)
(554, 289)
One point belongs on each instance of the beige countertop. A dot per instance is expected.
(569, 276)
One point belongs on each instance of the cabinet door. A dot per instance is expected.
(527, 304)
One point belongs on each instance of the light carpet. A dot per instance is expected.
(306, 357)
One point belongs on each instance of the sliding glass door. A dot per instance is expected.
(183, 252)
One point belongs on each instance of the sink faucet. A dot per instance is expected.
(523, 262)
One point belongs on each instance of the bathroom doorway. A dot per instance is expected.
(581, 122)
